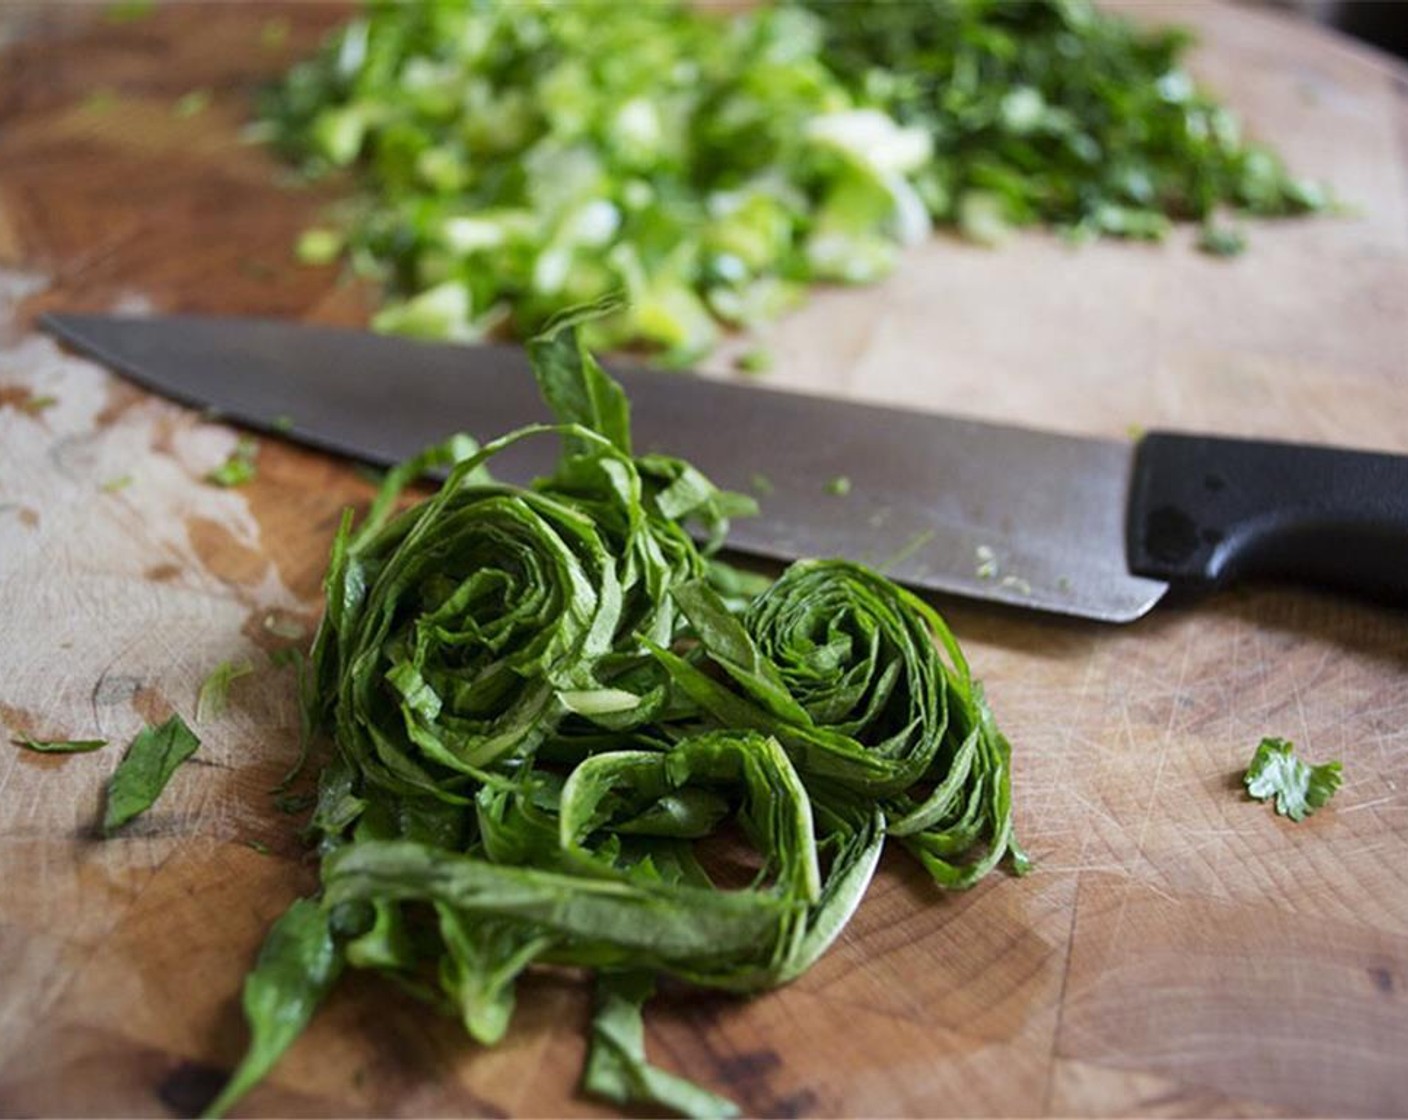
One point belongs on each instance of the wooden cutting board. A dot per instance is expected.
(1179, 949)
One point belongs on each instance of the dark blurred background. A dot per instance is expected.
(1381, 22)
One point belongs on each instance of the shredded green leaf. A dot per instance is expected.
(1299, 788)
(142, 775)
(552, 711)
(238, 468)
(839, 486)
(297, 966)
(214, 695)
(617, 1068)
(59, 746)
(115, 485)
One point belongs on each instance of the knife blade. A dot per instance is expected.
(1084, 527)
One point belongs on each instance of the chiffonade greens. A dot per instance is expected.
(564, 734)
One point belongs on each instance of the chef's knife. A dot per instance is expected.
(1086, 527)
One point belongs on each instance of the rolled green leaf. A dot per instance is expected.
(549, 724)
(865, 686)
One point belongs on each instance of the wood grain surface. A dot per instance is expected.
(1178, 951)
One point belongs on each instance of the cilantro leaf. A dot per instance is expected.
(1299, 788)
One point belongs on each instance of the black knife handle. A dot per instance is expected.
(1207, 510)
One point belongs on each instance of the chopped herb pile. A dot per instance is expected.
(517, 159)
(524, 158)
(552, 712)
(1052, 112)
(1298, 788)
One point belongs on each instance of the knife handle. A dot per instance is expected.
(1207, 510)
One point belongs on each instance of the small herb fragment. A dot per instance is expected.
(129, 11)
(1222, 241)
(59, 746)
(295, 803)
(987, 562)
(214, 695)
(319, 246)
(115, 485)
(239, 468)
(274, 34)
(35, 405)
(758, 359)
(192, 104)
(283, 626)
(1299, 789)
(839, 486)
(100, 101)
(145, 769)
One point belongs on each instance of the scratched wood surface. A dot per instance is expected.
(1179, 950)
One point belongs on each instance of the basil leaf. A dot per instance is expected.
(141, 776)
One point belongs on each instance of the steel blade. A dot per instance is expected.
(946, 504)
